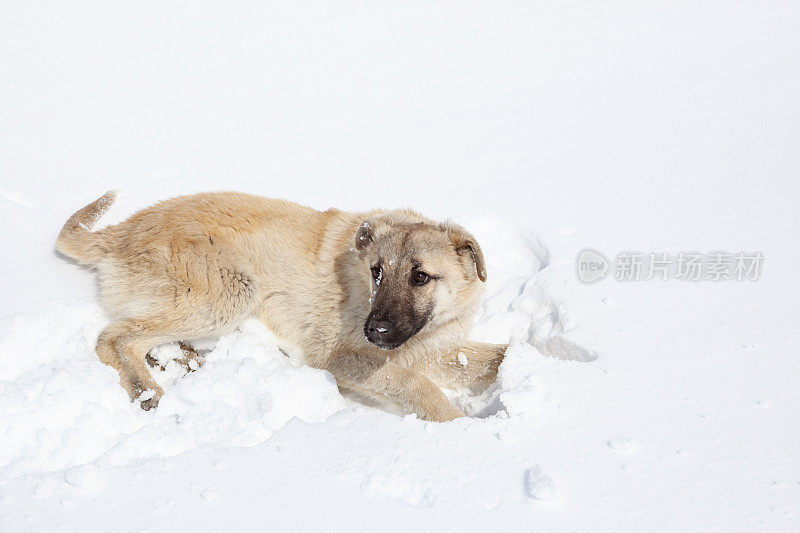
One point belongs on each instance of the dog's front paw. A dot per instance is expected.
(443, 413)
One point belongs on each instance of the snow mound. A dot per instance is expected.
(69, 409)
(64, 409)
(522, 301)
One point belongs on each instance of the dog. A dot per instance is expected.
(383, 300)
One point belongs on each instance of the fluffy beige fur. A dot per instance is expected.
(197, 266)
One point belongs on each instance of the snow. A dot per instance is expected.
(546, 130)
(539, 485)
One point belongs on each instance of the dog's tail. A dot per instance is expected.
(76, 238)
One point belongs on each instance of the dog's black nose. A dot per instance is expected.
(380, 328)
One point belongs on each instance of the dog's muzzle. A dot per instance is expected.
(381, 331)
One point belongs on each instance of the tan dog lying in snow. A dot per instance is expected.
(383, 300)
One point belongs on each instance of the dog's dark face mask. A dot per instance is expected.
(416, 273)
(400, 305)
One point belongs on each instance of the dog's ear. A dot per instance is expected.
(465, 243)
(363, 235)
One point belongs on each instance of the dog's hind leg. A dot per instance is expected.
(133, 375)
(125, 344)
(187, 294)
(191, 360)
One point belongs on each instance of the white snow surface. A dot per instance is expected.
(545, 128)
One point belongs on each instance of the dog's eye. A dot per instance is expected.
(376, 273)
(419, 278)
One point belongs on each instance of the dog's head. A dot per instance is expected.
(422, 275)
